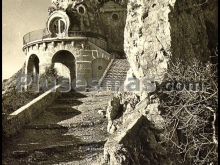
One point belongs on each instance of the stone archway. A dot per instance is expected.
(33, 65)
(67, 59)
(32, 72)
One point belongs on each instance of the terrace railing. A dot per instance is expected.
(36, 35)
(43, 34)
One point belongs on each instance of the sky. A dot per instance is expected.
(19, 18)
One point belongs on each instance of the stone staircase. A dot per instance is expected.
(70, 131)
(116, 75)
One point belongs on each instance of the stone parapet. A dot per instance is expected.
(18, 119)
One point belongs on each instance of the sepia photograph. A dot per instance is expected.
(109, 82)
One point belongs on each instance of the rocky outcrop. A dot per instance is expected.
(157, 33)
(119, 108)
(148, 41)
(11, 88)
(10, 84)
(135, 132)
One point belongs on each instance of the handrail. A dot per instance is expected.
(106, 71)
(85, 34)
(43, 33)
(35, 35)
(15, 121)
(100, 49)
(110, 63)
(34, 101)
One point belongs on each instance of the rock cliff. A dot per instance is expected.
(157, 34)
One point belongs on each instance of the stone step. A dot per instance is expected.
(116, 74)
(113, 84)
(72, 95)
(89, 134)
(69, 102)
(117, 69)
(58, 153)
(44, 126)
(54, 116)
(114, 79)
(84, 124)
(58, 109)
(69, 130)
(121, 76)
(120, 67)
(61, 146)
(66, 100)
(64, 126)
(32, 139)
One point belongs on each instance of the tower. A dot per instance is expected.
(81, 38)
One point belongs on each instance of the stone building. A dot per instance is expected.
(82, 39)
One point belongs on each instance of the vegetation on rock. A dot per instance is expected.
(191, 115)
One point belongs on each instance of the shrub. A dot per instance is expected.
(191, 116)
(48, 79)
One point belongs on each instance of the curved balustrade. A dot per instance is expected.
(43, 33)
(36, 35)
(85, 34)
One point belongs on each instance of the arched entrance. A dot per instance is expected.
(66, 58)
(32, 71)
(33, 65)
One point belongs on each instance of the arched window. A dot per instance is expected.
(115, 17)
(57, 26)
(58, 23)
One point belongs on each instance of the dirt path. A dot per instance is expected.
(70, 131)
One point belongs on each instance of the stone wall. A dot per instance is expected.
(113, 17)
(15, 121)
(84, 52)
(135, 128)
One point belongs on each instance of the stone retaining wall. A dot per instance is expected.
(14, 122)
